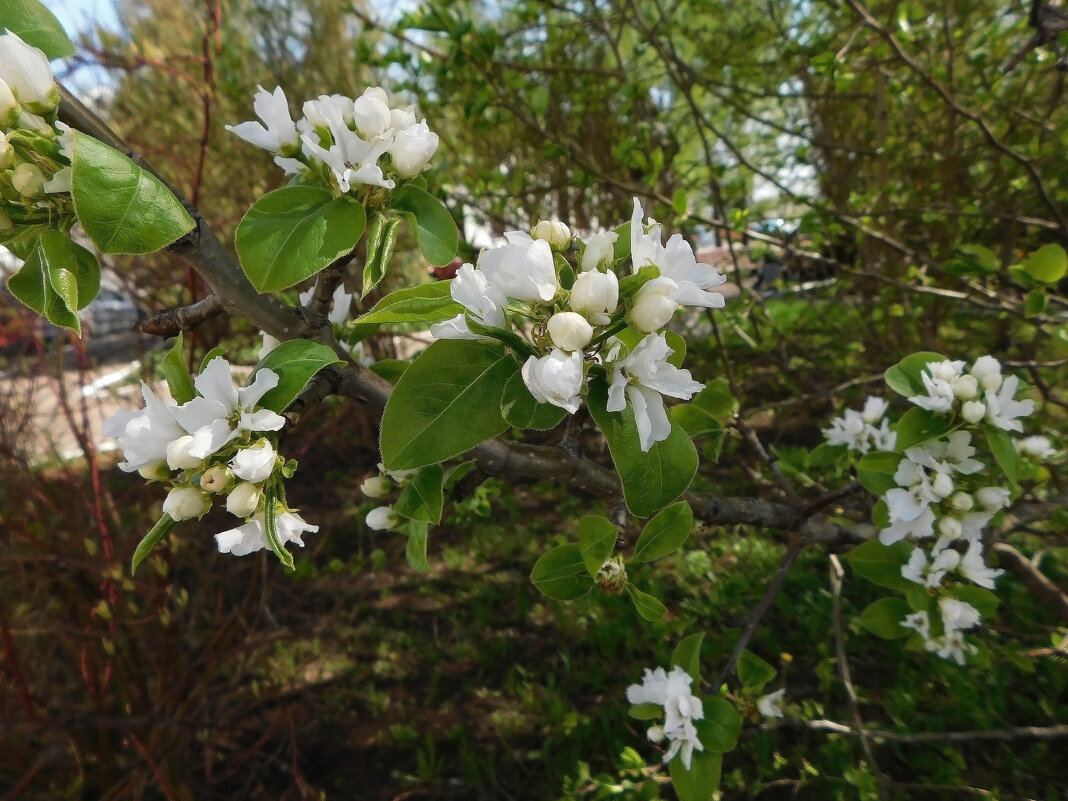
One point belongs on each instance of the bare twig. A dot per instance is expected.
(1043, 589)
(169, 322)
(879, 736)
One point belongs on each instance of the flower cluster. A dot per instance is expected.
(681, 708)
(569, 319)
(865, 430)
(943, 493)
(35, 148)
(216, 444)
(341, 141)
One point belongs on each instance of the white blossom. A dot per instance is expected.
(599, 251)
(993, 498)
(569, 330)
(654, 305)
(340, 304)
(642, 377)
(216, 478)
(973, 411)
(768, 705)
(412, 149)
(371, 114)
(937, 380)
(595, 295)
(145, 435)
(9, 109)
(252, 536)
(523, 269)
(25, 69)
(555, 378)
(975, 568)
(918, 622)
(930, 575)
(180, 453)
(183, 503)
(28, 180)
(382, 518)
(957, 615)
(681, 708)
(376, 487)
(965, 387)
(857, 430)
(920, 526)
(278, 134)
(255, 464)
(1002, 410)
(269, 344)
(987, 371)
(1037, 446)
(485, 302)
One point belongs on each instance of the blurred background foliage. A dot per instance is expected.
(910, 169)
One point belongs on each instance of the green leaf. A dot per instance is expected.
(415, 550)
(678, 202)
(678, 348)
(917, 597)
(421, 499)
(522, 411)
(651, 479)
(294, 232)
(270, 526)
(881, 564)
(876, 471)
(917, 426)
(1048, 264)
(597, 540)
(721, 726)
(506, 336)
(174, 371)
(646, 605)
(904, 377)
(707, 410)
(826, 454)
(425, 303)
(296, 362)
(433, 226)
(211, 354)
(446, 403)
(880, 514)
(122, 208)
(381, 240)
(883, 618)
(32, 284)
(700, 780)
(390, 369)
(1035, 302)
(687, 655)
(1000, 444)
(985, 258)
(561, 574)
(984, 601)
(37, 26)
(647, 711)
(665, 533)
(456, 473)
(629, 285)
(151, 540)
(753, 672)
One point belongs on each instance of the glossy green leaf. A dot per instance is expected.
(56, 261)
(390, 369)
(753, 672)
(665, 533)
(917, 426)
(294, 232)
(881, 564)
(700, 781)
(826, 454)
(174, 371)
(687, 655)
(421, 499)
(904, 377)
(647, 711)
(296, 362)
(721, 726)
(36, 25)
(415, 550)
(883, 618)
(122, 207)
(876, 471)
(651, 479)
(597, 540)
(522, 411)
(561, 574)
(649, 607)
(149, 542)
(425, 303)
(1035, 302)
(447, 402)
(1004, 451)
(381, 241)
(985, 602)
(984, 257)
(433, 226)
(1048, 264)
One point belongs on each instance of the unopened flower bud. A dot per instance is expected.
(382, 518)
(402, 118)
(595, 295)
(184, 503)
(612, 577)
(178, 456)
(412, 149)
(28, 180)
(216, 478)
(372, 115)
(256, 463)
(570, 331)
(1036, 446)
(950, 527)
(965, 387)
(942, 485)
(376, 487)
(243, 499)
(150, 472)
(556, 233)
(377, 92)
(654, 305)
(962, 502)
(655, 734)
(973, 411)
(987, 371)
(993, 498)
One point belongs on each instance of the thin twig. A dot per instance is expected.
(170, 322)
(1043, 589)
